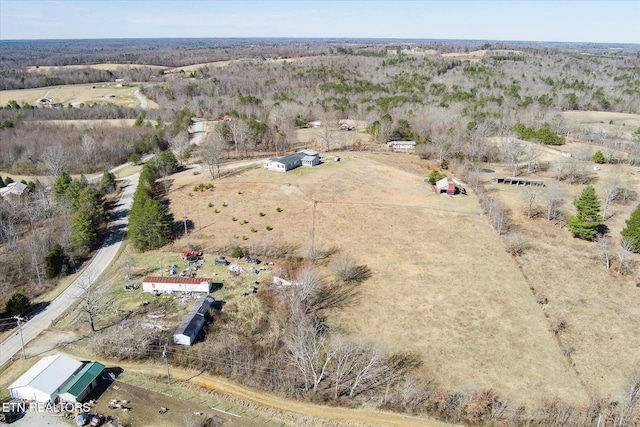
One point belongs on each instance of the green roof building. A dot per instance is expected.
(82, 383)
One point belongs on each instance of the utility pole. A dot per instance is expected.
(166, 363)
(20, 319)
(184, 218)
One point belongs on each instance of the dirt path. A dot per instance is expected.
(364, 416)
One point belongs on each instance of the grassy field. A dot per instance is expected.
(442, 283)
(617, 124)
(112, 67)
(74, 94)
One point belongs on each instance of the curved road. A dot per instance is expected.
(141, 98)
(104, 257)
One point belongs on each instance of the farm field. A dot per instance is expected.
(112, 67)
(75, 95)
(442, 284)
(615, 124)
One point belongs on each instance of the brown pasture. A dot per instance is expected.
(442, 283)
(74, 94)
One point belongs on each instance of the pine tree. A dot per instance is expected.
(632, 230)
(584, 225)
(598, 157)
(108, 182)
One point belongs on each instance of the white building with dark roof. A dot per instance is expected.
(45, 379)
(193, 322)
(292, 161)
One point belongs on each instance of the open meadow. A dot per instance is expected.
(442, 284)
(74, 95)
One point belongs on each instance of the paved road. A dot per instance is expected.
(104, 257)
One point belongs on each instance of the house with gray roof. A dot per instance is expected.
(193, 322)
(292, 161)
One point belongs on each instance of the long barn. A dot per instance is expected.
(168, 285)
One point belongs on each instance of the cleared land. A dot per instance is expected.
(113, 67)
(76, 94)
(442, 283)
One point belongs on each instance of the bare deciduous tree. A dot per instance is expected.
(529, 195)
(348, 270)
(90, 304)
(89, 148)
(604, 249)
(611, 192)
(624, 251)
(308, 350)
(212, 150)
(53, 158)
(240, 134)
(179, 144)
(512, 151)
(553, 198)
(630, 397)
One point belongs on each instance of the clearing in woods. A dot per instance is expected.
(88, 93)
(442, 284)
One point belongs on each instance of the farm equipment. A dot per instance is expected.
(221, 261)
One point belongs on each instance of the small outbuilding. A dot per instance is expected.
(45, 379)
(402, 145)
(193, 322)
(77, 389)
(451, 186)
(13, 189)
(168, 285)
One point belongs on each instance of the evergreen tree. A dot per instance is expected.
(60, 186)
(584, 225)
(108, 182)
(73, 191)
(632, 230)
(166, 163)
(55, 262)
(18, 303)
(149, 224)
(83, 233)
(598, 157)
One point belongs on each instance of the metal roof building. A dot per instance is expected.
(82, 383)
(44, 380)
(193, 321)
(292, 161)
(166, 285)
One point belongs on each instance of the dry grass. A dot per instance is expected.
(442, 283)
(600, 309)
(619, 124)
(74, 94)
(112, 67)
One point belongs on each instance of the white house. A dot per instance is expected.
(167, 285)
(193, 322)
(292, 161)
(45, 379)
(402, 145)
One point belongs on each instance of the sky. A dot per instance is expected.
(609, 21)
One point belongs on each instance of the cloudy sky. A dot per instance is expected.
(612, 21)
